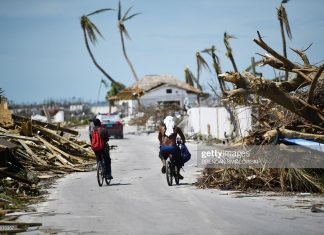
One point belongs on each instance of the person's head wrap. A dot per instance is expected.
(169, 125)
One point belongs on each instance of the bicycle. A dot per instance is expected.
(172, 171)
(101, 174)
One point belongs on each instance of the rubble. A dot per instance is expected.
(289, 109)
(31, 154)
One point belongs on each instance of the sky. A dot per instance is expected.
(43, 54)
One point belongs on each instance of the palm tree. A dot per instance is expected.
(189, 77)
(216, 64)
(201, 63)
(229, 53)
(284, 24)
(90, 32)
(123, 31)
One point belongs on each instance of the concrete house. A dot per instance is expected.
(156, 89)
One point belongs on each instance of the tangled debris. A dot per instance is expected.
(32, 153)
(285, 111)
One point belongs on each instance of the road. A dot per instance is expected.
(139, 201)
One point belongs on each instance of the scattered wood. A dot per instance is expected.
(44, 124)
(31, 154)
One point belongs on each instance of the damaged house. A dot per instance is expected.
(155, 90)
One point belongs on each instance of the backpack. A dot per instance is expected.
(185, 154)
(97, 143)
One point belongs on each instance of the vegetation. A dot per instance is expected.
(291, 108)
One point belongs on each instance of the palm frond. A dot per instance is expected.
(99, 11)
(212, 52)
(104, 82)
(227, 37)
(201, 62)
(282, 16)
(286, 23)
(207, 50)
(90, 29)
(124, 30)
(131, 16)
(126, 13)
(189, 77)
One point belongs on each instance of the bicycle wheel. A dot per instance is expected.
(169, 173)
(100, 173)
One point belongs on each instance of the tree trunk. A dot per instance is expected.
(270, 90)
(94, 60)
(284, 46)
(126, 57)
(217, 70)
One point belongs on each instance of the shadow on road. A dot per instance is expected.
(118, 184)
(186, 184)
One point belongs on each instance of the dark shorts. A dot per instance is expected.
(175, 151)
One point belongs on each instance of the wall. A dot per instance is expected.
(215, 121)
(156, 95)
(160, 94)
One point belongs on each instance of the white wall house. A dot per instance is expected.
(215, 121)
(155, 89)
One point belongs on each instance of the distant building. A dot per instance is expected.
(153, 90)
(102, 107)
(76, 107)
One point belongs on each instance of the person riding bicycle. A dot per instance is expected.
(104, 152)
(168, 143)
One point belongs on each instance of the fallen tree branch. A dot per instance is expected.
(313, 85)
(288, 64)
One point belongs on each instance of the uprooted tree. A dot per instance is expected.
(293, 108)
(282, 93)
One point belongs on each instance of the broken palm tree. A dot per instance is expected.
(287, 109)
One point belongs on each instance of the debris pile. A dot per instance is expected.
(272, 179)
(288, 111)
(32, 152)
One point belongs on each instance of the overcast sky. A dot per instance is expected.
(43, 55)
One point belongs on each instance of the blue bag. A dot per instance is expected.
(186, 155)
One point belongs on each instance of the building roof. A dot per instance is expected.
(150, 82)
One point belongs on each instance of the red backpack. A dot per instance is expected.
(97, 143)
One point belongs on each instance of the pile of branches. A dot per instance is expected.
(34, 152)
(293, 108)
(270, 179)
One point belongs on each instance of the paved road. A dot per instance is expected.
(139, 202)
